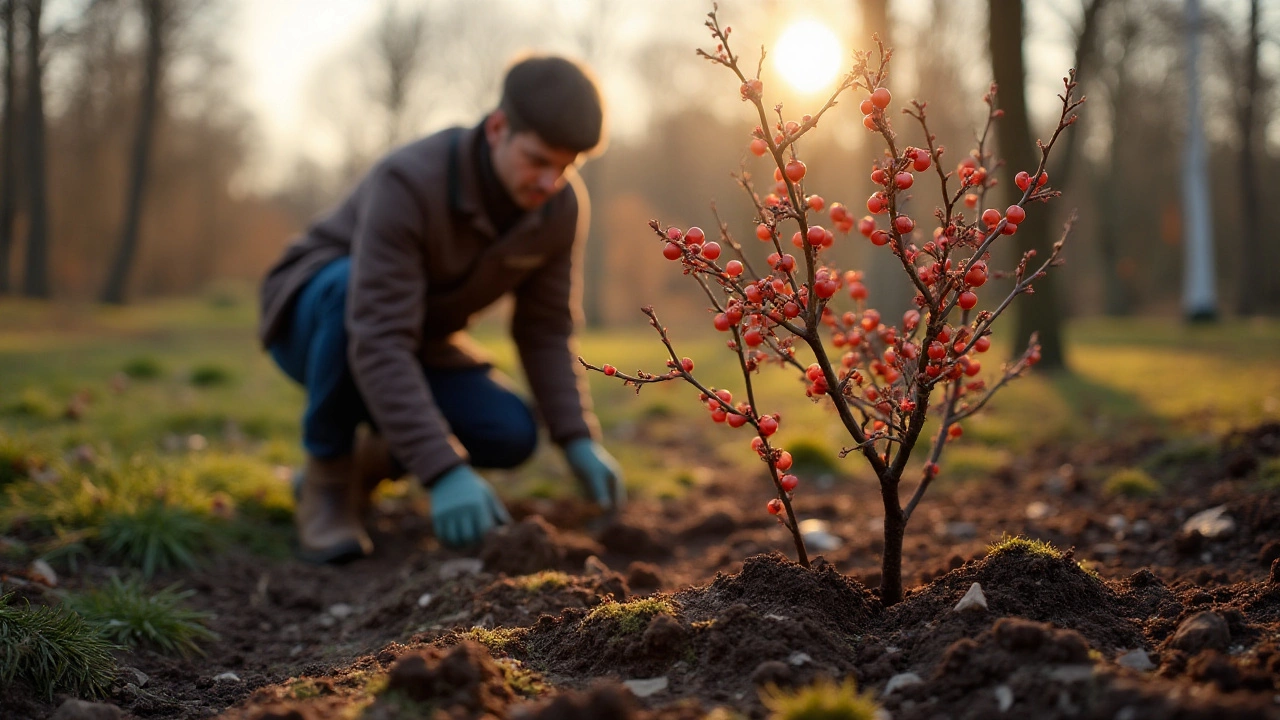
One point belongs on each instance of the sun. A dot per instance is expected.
(807, 55)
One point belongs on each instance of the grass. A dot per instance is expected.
(1131, 483)
(1022, 546)
(54, 650)
(145, 367)
(130, 616)
(823, 700)
(632, 617)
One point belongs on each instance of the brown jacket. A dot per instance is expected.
(425, 259)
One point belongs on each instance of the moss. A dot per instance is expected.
(1090, 568)
(498, 640)
(823, 700)
(810, 458)
(634, 616)
(1131, 483)
(542, 581)
(1022, 546)
(520, 679)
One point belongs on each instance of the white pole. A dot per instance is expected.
(1198, 293)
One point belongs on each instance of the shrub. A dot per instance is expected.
(823, 700)
(54, 650)
(880, 378)
(143, 368)
(1131, 483)
(128, 616)
(207, 376)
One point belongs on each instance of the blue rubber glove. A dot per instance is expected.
(464, 507)
(597, 472)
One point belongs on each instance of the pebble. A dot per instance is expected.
(43, 572)
(1004, 698)
(83, 710)
(140, 678)
(822, 541)
(459, 567)
(1136, 660)
(1141, 528)
(1038, 510)
(341, 610)
(226, 677)
(643, 688)
(1212, 523)
(901, 680)
(974, 599)
(1117, 523)
(1071, 673)
(799, 658)
(960, 530)
(1202, 631)
(1106, 549)
(424, 599)
(594, 566)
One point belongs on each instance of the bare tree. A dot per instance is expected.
(9, 128)
(1041, 312)
(399, 42)
(1116, 297)
(36, 276)
(1253, 274)
(157, 14)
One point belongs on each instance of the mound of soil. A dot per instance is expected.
(532, 545)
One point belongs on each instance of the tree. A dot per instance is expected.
(157, 14)
(9, 127)
(1253, 274)
(1116, 296)
(399, 41)
(1041, 312)
(36, 277)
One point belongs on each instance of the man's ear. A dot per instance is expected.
(496, 127)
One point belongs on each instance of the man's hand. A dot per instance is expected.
(464, 507)
(597, 472)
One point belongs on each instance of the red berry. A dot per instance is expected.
(768, 425)
(784, 461)
(752, 337)
(790, 310)
(610, 370)
(721, 321)
(878, 177)
(733, 268)
(1022, 180)
(857, 291)
(711, 250)
(759, 147)
(816, 203)
(922, 161)
(719, 415)
(876, 204)
(973, 368)
(687, 364)
(795, 170)
(968, 300)
(976, 275)
(881, 97)
(903, 224)
(673, 233)
(757, 444)
(725, 395)
(982, 344)
(775, 507)
(867, 106)
(869, 122)
(971, 200)
(944, 335)
(694, 236)
(1015, 213)
(1009, 228)
(870, 320)
(866, 225)
(763, 232)
(671, 251)
(955, 431)
(825, 289)
(788, 482)
(737, 421)
(816, 234)
(991, 217)
(937, 350)
(910, 320)
(903, 180)
(879, 237)
(1044, 178)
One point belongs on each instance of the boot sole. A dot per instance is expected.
(339, 554)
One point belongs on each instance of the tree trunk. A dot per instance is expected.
(1040, 311)
(1199, 296)
(1112, 198)
(36, 279)
(118, 280)
(895, 526)
(1086, 41)
(8, 127)
(1253, 275)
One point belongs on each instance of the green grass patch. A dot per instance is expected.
(18, 460)
(33, 404)
(155, 537)
(128, 615)
(1022, 546)
(144, 367)
(210, 375)
(634, 616)
(810, 457)
(823, 700)
(963, 461)
(54, 650)
(1131, 483)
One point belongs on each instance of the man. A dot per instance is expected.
(367, 310)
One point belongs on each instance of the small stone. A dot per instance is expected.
(139, 678)
(960, 530)
(42, 571)
(459, 567)
(1141, 528)
(1106, 549)
(83, 710)
(296, 650)
(1004, 698)
(822, 541)
(974, 599)
(197, 442)
(814, 525)
(1117, 523)
(799, 658)
(776, 617)
(1136, 660)
(424, 599)
(901, 680)
(341, 610)
(595, 566)
(1202, 631)
(771, 672)
(226, 677)
(1071, 673)
(1212, 523)
(327, 621)
(643, 688)
(1038, 510)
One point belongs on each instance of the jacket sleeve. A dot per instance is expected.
(547, 304)
(385, 311)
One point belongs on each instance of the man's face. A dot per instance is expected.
(531, 170)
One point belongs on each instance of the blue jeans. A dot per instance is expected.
(495, 426)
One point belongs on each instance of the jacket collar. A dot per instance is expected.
(464, 186)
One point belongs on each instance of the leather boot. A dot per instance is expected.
(327, 518)
(373, 464)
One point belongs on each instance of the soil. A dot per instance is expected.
(416, 629)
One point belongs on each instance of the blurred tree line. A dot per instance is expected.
(126, 143)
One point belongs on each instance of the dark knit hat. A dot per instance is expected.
(555, 98)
